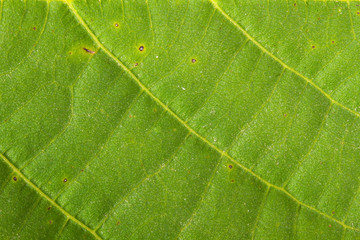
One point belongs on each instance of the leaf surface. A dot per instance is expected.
(179, 119)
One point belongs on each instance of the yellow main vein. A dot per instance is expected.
(42, 194)
(214, 3)
(222, 152)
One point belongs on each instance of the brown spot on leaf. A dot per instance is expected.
(136, 64)
(34, 28)
(15, 179)
(49, 208)
(232, 180)
(313, 46)
(294, 4)
(65, 180)
(88, 50)
(117, 223)
(329, 225)
(230, 166)
(193, 60)
(51, 221)
(141, 48)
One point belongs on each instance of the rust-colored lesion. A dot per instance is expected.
(89, 51)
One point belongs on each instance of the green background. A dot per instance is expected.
(174, 119)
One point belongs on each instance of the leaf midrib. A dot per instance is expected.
(191, 130)
(222, 152)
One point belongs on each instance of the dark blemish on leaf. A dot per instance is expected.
(49, 208)
(285, 115)
(333, 212)
(230, 166)
(193, 60)
(116, 25)
(136, 64)
(294, 4)
(141, 48)
(358, 13)
(332, 41)
(15, 179)
(81, 170)
(232, 180)
(70, 53)
(50, 221)
(312, 46)
(329, 225)
(65, 180)
(117, 223)
(89, 51)
(34, 28)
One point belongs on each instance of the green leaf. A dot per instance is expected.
(155, 119)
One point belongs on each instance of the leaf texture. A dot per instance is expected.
(199, 119)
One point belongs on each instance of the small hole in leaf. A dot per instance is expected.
(65, 180)
(193, 60)
(15, 179)
(141, 48)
